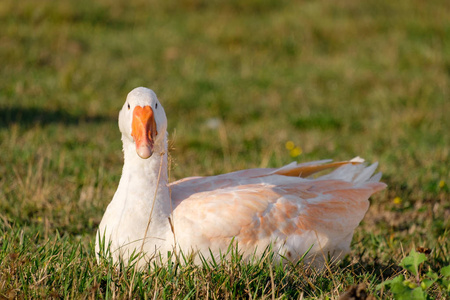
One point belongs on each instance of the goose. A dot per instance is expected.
(298, 216)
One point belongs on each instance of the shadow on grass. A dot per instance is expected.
(28, 117)
(381, 270)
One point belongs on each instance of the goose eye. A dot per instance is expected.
(156, 105)
(128, 106)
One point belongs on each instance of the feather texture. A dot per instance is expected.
(257, 207)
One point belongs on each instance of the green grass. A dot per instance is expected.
(338, 78)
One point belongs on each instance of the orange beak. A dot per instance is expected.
(143, 130)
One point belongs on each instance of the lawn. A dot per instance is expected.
(238, 79)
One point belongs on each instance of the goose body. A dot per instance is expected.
(255, 208)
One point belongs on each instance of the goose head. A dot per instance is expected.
(143, 122)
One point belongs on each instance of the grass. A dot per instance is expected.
(237, 79)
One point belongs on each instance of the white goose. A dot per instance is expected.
(254, 208)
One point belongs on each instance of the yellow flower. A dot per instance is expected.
(289, 145)
(441, 184)
(397, 200)
(296, 151)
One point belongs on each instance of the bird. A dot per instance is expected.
(298, 216)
